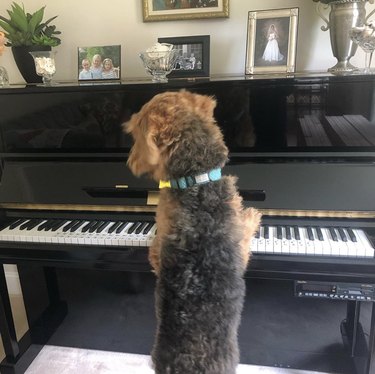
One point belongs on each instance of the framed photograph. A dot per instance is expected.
(271, 41)
(99, 63)
(194, 56)
(167, 10)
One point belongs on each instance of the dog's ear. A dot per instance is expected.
(153, 149)
(205, 106)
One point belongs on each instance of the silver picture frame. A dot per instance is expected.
(271, 41)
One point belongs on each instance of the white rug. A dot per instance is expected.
(62, 360)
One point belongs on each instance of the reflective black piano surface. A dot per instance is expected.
(306, 143)
(303, 148)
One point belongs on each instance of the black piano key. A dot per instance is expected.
(319, 233)
(114, 226)
(94, 226)
(352, 236)
(102, 226)
(87, 226)
(310, 233)
(43, 225)
(140, 228)
(121, 227)
(76, 226)
(266, 232)
(69, 225)
(257, 234)
(279, 232)
(288, 234)
(333, 234)
(24, 225)
(133, 227)
(5, 224)
(296, 233)
(46, 226)
(147, 229)
(51, 224)
(18, 222)
(342, 234)
(33, 223)
(59, 224)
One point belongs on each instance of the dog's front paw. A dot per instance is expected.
(252, 219)
(251, 222)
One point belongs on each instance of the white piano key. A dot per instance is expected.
(318, 245)
(301, 245)
(365, 243)
(262, 242)
(284, 243)
(327, 250)
(151, 235)
(277, 243)
(254, 245)
(269, 241)
(293, 245)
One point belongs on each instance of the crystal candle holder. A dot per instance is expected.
(45, 65)
(364, 36)
(4, 78)
(159, 63)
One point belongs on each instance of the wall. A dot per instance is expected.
(86, 23)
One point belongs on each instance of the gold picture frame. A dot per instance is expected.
(271, 41)
(171, 10)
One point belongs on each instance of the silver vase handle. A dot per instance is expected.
(319, 8)
(369, 15)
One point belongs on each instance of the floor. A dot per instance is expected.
(106, 318)
(60, 360)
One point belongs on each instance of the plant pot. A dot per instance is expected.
(25, 61)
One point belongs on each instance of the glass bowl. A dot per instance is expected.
(159, 63)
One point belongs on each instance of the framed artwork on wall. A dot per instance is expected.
(99, 63)
(166, 10)
(194, 55)
(271, 41)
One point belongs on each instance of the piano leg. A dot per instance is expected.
(7, 329)
(13, 349)
(44, 308)
(354, 338)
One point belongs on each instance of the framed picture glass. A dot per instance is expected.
(194, 55)
(271, 41)
(166, 10)
(99, 63)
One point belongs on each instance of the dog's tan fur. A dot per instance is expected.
(175, 135)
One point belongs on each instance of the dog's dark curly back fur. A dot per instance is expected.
(200, 289)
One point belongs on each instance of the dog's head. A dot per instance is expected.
(175, 135)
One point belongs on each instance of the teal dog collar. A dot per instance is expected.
(185, 182)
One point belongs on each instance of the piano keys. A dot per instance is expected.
(283, 240)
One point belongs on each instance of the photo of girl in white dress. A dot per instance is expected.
(271, 42)
(272, 52)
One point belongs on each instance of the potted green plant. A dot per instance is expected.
(27, 32)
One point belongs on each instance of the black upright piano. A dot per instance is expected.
(302, 147)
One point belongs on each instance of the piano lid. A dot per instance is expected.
(328, 115)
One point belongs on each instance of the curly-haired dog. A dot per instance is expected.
(202, 245)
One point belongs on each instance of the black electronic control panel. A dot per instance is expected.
(335, 291)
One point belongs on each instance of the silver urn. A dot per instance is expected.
(343, 16)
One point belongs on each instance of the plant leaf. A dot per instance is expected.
(35, 20)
